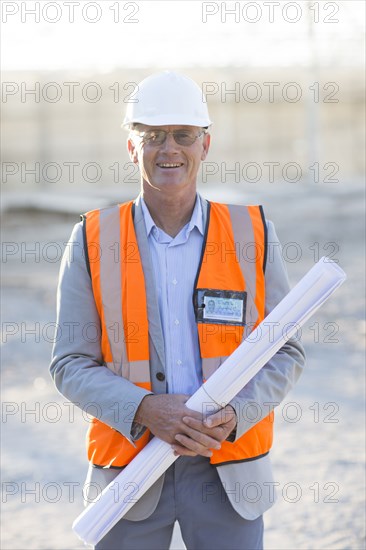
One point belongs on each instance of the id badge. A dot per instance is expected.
(222, 307)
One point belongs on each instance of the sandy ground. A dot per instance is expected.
(318, 454)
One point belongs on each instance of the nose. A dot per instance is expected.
(169, 143)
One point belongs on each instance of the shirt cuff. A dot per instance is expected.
(232, 436)
(137, 431)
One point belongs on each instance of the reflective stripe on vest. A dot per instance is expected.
(115, 268)
(233, 259)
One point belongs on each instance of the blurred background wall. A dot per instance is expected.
(284, 83)
(61, 131)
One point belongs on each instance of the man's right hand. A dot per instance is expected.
(163, 415)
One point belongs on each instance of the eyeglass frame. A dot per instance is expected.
(141, 135)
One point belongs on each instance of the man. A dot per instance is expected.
(142, 272)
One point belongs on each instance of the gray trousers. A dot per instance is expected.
(194, 496)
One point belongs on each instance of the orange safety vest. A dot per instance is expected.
(233, 259)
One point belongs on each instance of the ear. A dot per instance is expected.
(206, 146)
(132, 151)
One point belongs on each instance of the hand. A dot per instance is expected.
(168, 418)
(217, 426)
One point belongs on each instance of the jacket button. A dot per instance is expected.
(160, 376)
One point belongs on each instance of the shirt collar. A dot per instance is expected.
(195, 221)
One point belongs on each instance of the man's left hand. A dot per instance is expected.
(217, 426)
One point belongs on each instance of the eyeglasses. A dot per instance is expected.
(158, 137)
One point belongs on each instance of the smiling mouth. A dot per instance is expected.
(169, 165)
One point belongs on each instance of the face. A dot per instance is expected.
(211, 306)
(170, 165)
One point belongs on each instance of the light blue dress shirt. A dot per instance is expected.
(175, 262)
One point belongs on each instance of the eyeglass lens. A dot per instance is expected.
(181, 137)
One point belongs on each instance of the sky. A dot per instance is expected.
(107, 34)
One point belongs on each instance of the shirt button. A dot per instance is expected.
(160, 376)
(176, 322)
(174, 281)
(179, 362)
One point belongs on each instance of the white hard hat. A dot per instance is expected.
(168, 98)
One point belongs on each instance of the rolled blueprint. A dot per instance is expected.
(250, 356)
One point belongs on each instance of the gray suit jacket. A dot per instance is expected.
(78, 372)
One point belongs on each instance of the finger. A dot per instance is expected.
(179, 450)
(195, 446)
(199, 426)
(187, 452)
(196, 424)
(208, 438)
(218, 433)
(193, 414)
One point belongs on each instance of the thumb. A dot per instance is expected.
(223, 416)
(213, 420)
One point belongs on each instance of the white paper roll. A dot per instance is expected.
(250, 356)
